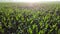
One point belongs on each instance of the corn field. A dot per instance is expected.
(24, 20)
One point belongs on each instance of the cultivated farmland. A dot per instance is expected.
(37, 18)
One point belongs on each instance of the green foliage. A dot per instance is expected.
(15, 20)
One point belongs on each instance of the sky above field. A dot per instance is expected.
(26, 0)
